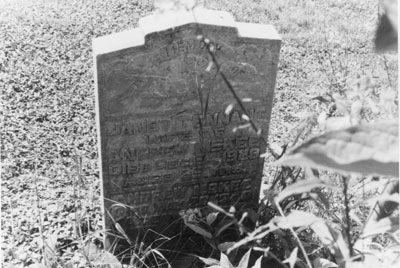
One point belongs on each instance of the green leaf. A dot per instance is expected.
(296, 218)
(223, 247)
(218, 208)
(224, 227)
(385, 208)
(224, 261)
(99, 257)
(211, 218)
(160, 255)
(332, 239)
(211, 242)
(386, 34)
(385, 225)
(199, 230)
(322, 198)
(258, 263)
(302, 186)
(209, 261)
(244, 261)
(383, 198)
(109, 260)
(324, 232)
(292, 258)
(323, 263)
(367, 149)
(337, 123)
(122, 232)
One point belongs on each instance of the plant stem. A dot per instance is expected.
(347, 211)
(387, 70)
(236, 97)
(303, 250)
(229, 85)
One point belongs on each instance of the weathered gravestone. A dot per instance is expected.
(166, 142)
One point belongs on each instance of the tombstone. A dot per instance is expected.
(166, 141)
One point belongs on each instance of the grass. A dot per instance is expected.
(48, 110)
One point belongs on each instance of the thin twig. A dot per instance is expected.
(236, 97)
(387, 71)
(376, 204)
(347, 211)
(229, 85)
(231, 89)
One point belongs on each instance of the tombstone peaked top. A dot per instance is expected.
(171, 19)
(166, 141)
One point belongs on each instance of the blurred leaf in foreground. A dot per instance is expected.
(323, 263)
(302, 186)
(386, 34)
(385, 225)
(296, 218)
(367, 149)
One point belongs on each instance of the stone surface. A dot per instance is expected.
(166, 142)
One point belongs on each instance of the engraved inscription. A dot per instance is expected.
(202, 148)
(166, 142)
(181, 46)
